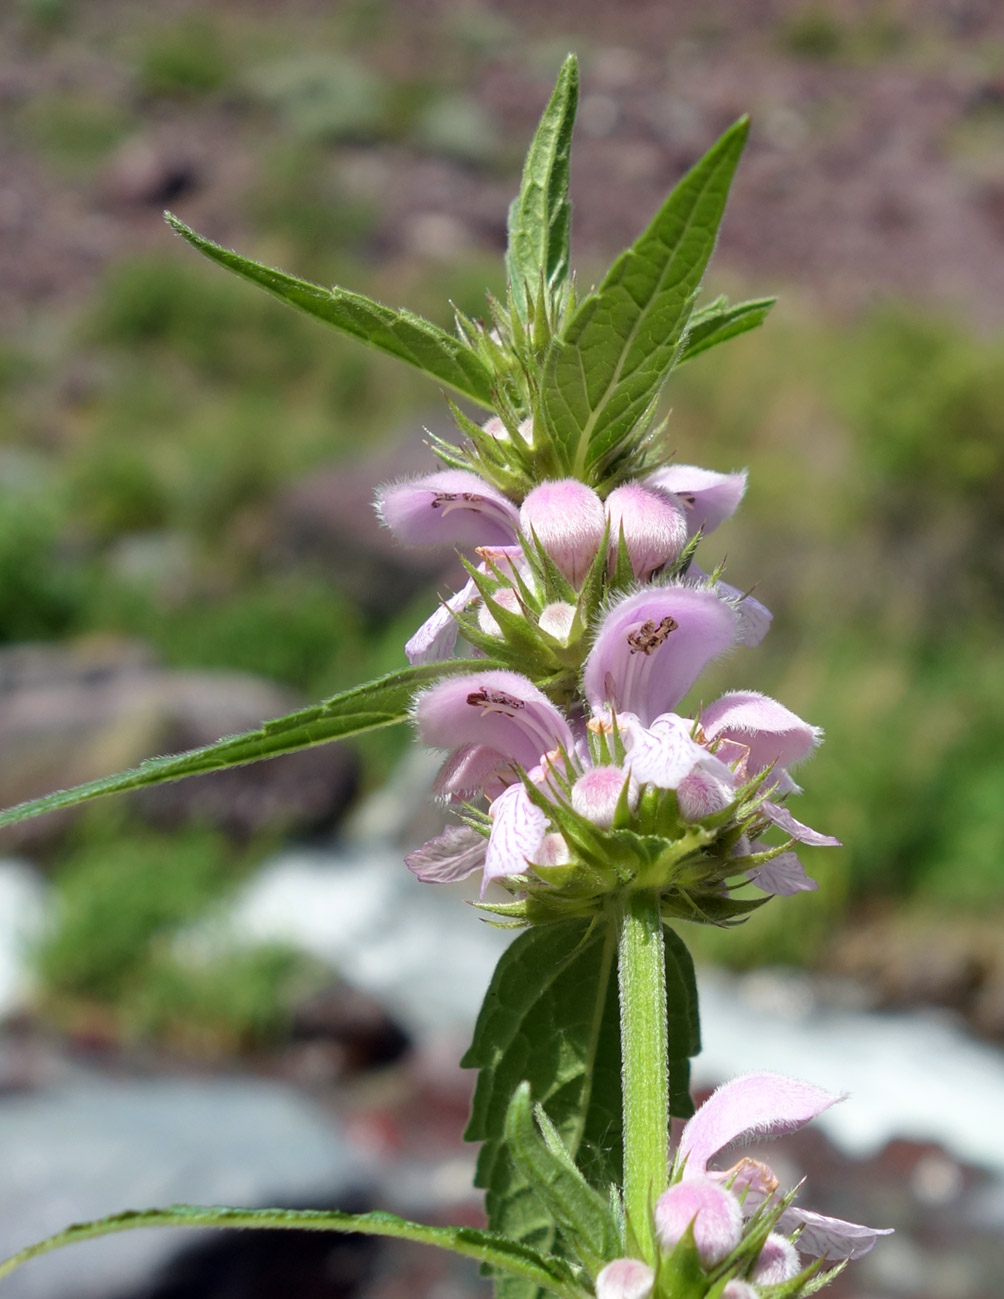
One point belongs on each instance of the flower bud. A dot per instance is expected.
(508, 599)
(553, 851)
(778, 1261)
(736, 1289)
(567, 519)
(625, 1278)
(652, 523)
(556, 619)
(715, 1214)
(595, 794)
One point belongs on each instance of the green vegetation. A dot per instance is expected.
(114, 952)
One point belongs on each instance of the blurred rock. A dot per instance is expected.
(338, 1032)
(146, 173)
(91, 1145)
(328, 517)
(72, 713)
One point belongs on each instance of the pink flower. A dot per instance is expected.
(758, 1105)
(566, 517)
(708, 498)
(652, 646)
(449, 507)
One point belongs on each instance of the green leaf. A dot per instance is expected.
(505, 1255)
(582, 1214)
(383, 702)
(550, 1017)
(398, 333)
(684, 1022)
(540, 215)
(719, 322)
(605, 371)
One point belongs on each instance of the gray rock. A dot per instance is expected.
(73, 713)
(92, 1145)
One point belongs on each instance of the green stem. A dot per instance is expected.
(644, 1062)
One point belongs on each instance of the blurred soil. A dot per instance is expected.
(873, 167)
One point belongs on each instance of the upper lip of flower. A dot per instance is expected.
(768, 1104)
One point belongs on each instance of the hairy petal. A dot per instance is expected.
(458, 852)
(500, 709)
(596, 793)
(518, 830)
(782, 875)
(757, 1104)
(709, 498)
(567, 519)
(453, 506)
(771, 732)
(833, 1238)
(625, 1278)
(653, 645)
(652, 523)
(778, 1261)
(715, 1214)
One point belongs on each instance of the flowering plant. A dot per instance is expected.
(598, 814)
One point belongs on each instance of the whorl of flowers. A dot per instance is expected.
(601, 620)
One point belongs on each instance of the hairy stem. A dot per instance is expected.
(645, 1062)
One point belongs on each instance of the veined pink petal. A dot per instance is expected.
(709, 498)
(453, 506)
(653, 645)
(567, 519)
(824, 1237)
(777, 1261)
(500, 709)
(458, 852)
(803, 833)
(715, 1214)
(625, 1278)
(652, 523)
(517, 832)
(662, 754)
(436, 639)
(783, 875)
(771, 732)
(757, 1104)
(471, 769)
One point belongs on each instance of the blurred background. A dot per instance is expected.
(230, 988)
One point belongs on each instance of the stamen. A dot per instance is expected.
(495, 701)
(647, 638)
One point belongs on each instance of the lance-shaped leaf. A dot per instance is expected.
(582, 1214)
(398, 333)
(602, 376)
(518, 1260)
(383, 702)
(540, 215)
(720, 321)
